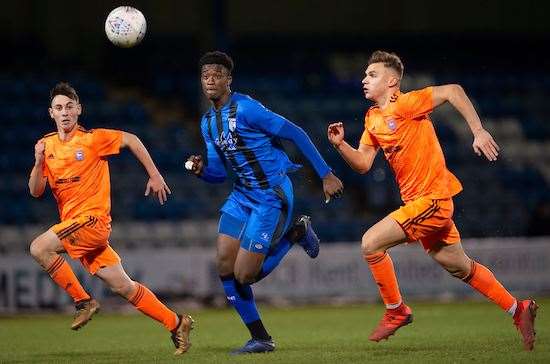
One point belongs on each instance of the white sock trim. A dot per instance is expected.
(512, 309)
(391, 306)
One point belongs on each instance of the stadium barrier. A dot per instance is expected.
(522, 265)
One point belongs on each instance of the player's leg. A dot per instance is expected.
(238, 294)
(301, 232)
(234, 220)
(451, 256)
(380, 237)
(45, 250)
(453, 259)
(247, 266)
(280, 244)
(375, 243)
(410, 222)
(113, 274)
(264, 227)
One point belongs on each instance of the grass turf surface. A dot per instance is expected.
(441, 333)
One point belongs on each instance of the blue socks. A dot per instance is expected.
(274, 257)
(242, 298)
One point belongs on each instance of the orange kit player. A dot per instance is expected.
(399, 125)
(73, 162)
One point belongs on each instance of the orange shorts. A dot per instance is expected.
(428, 221)
(86, 238)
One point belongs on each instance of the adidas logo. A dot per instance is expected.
(51, 156)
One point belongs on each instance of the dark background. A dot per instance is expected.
(305, 60)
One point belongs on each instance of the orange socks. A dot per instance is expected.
(381, 267)
(146, 301)
(63, 275)
(480, 278)
(483, 280)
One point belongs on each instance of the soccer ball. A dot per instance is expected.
(125, 26)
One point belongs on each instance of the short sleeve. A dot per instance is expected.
(45, 169)
(367, 138)
(415, 104)
(107, 141)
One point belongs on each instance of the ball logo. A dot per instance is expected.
(79, 155)
(119, 26)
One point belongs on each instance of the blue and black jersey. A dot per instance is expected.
(245, 135)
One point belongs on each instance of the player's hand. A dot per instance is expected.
(159, 187)
(335, 133)
(39, 148)
(197, 164)
(484, 143)
(332, 187)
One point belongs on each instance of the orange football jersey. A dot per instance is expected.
(78, 172)
(404, 131)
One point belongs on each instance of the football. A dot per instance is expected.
(125, 26)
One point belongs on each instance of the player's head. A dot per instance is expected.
(384, 72)
(216, 68)
(64, 107)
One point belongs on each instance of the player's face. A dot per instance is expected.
(65, 111)
(215, 80)
(378, 78)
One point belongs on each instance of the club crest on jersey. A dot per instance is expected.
(392, 124)
(232, 123)
(79, 155)
(258, 246)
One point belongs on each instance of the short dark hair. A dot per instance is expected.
(65, 89)
(217, 57)
(390, 60)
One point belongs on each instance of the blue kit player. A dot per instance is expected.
(254, 228)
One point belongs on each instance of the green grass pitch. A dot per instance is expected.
(471, 332)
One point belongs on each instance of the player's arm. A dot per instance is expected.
(37, 180)
(298, 136)
(276, 125)
(455, 95)
(360, 159)
(156, 181)
(214, 170)
(332, 186)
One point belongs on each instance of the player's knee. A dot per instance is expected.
(124, 289)
(456, 266)
(224, 265)
(245, 277)
(37, 248)
(368, 246)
